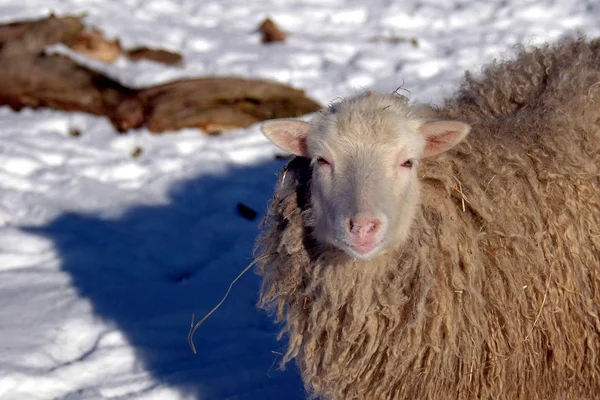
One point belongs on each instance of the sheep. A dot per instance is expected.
(445, 252)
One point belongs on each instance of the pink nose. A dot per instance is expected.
(363, 228)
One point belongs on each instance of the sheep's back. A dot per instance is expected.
(520, 226)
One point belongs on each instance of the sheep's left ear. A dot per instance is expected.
(442, 135)
(288, 134)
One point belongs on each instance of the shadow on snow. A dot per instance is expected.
(149, 270)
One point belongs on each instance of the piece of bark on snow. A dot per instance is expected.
(271, 32)
(93, 44)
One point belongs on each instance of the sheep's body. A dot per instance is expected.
(496, 293)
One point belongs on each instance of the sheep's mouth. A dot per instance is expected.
(363, 251)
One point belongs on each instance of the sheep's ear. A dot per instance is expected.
(288, 134)
(442, 135)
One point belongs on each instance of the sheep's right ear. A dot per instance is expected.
(288, 134)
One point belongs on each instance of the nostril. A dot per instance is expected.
(363, 225)
(372, 226)
(353, 227)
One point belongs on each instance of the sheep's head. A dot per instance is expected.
(364, 153)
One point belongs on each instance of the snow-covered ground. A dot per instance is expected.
(104, 257)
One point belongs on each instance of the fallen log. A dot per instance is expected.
(31, 78)
(218, 104)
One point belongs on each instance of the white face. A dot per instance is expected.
(365, 188)
(364, 152)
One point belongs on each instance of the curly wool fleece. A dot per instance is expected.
(496, 293)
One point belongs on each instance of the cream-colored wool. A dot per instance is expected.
(496, 292)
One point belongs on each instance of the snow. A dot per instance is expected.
(104, 256)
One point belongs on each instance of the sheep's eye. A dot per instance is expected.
(408, 164)
(321, 161)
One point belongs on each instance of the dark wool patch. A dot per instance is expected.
(497, 292)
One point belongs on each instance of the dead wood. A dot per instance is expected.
(31, 78)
